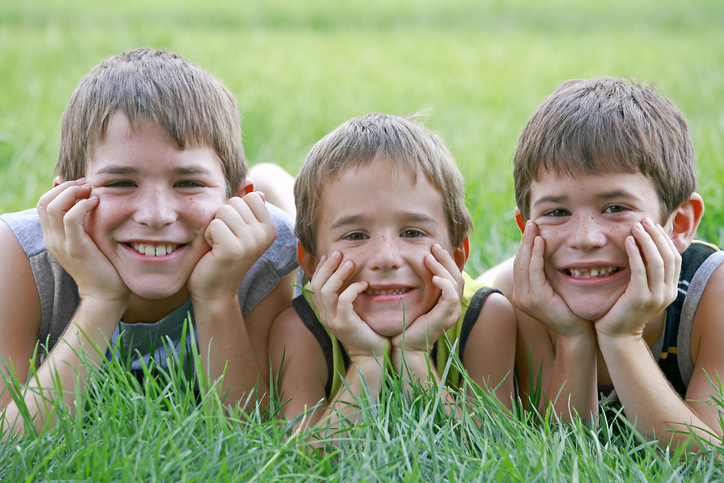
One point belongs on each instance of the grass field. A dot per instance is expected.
(477, 69)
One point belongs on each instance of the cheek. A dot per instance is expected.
(199, 214)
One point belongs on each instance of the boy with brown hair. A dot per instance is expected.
(383, 236)
(608, 270)
(151, 218)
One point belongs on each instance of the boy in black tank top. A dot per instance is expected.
(382, 229)
(605, 182)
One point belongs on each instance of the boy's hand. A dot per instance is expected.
(655, 264)
(62, 211)
(443, 315)
(534, 295)
(337, 313)
(240, 233)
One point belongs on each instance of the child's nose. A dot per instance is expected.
(386, 254)
(588, 233)
(155, 209)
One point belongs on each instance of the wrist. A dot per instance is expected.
(413, 361)
(620, 342)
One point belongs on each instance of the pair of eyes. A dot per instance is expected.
(611, 209)
(408, 233)
(127, 183)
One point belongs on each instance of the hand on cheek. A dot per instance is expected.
(62, 211)
(429, 327)
(655, 264)
(336, 311)
(534, 295)
(239, 234)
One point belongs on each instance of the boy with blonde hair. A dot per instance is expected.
(383, 236)
(151, 218)
(608, 270)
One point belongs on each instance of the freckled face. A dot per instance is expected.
(155, 202)
(584, 222)
(386, 224)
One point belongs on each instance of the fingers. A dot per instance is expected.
(654, 260)
(244, 218)
(53, 205)
(522, 261)
(330, 276)
(446, 274)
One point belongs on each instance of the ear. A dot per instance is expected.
(685, 220)
(306, 261)
(57, 181)
(461, 253)
(519, 220)
(245, 187)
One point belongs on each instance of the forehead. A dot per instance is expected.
(149, 145)
(377, 189)
(564, 187)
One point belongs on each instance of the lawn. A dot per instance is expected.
(476, 70)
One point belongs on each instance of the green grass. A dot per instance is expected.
(160, 431)
(478, 69)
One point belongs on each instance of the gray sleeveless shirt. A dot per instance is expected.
(59, 293)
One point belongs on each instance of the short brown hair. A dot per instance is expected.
(406, 145)
(607, 125)
(159, 86)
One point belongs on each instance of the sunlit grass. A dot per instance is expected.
(477, 70)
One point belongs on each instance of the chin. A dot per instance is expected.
(156, 291)
(591, 313)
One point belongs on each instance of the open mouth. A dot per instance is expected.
(153, 250)
(394, 291)
(595, 272)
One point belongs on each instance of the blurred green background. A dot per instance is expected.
(477, 69)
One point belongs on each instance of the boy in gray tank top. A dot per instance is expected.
(150, 220)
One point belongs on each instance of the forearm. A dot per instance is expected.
(224, 347)
(65, 371)
(572, 388)
(363, 372)
(648, 399)
(415, 366)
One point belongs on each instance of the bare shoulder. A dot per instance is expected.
(708, 328)
(298, 364)
(274, 303)
(493, 337)
(504, 278)
(20, 303)
(707, 339)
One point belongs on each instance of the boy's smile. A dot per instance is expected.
(584, 221)
(386, 224)
(155, 202)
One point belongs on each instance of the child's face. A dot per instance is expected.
(385, 224)
(584, 221)
(156, 201)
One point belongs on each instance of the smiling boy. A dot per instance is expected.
(608, 270)
(383, 236)
(151, 218)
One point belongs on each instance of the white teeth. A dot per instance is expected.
(395, 291)
(154, 250)
(592, 273)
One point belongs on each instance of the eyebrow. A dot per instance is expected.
(608, 195)
(407, 216)
(127, 170)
